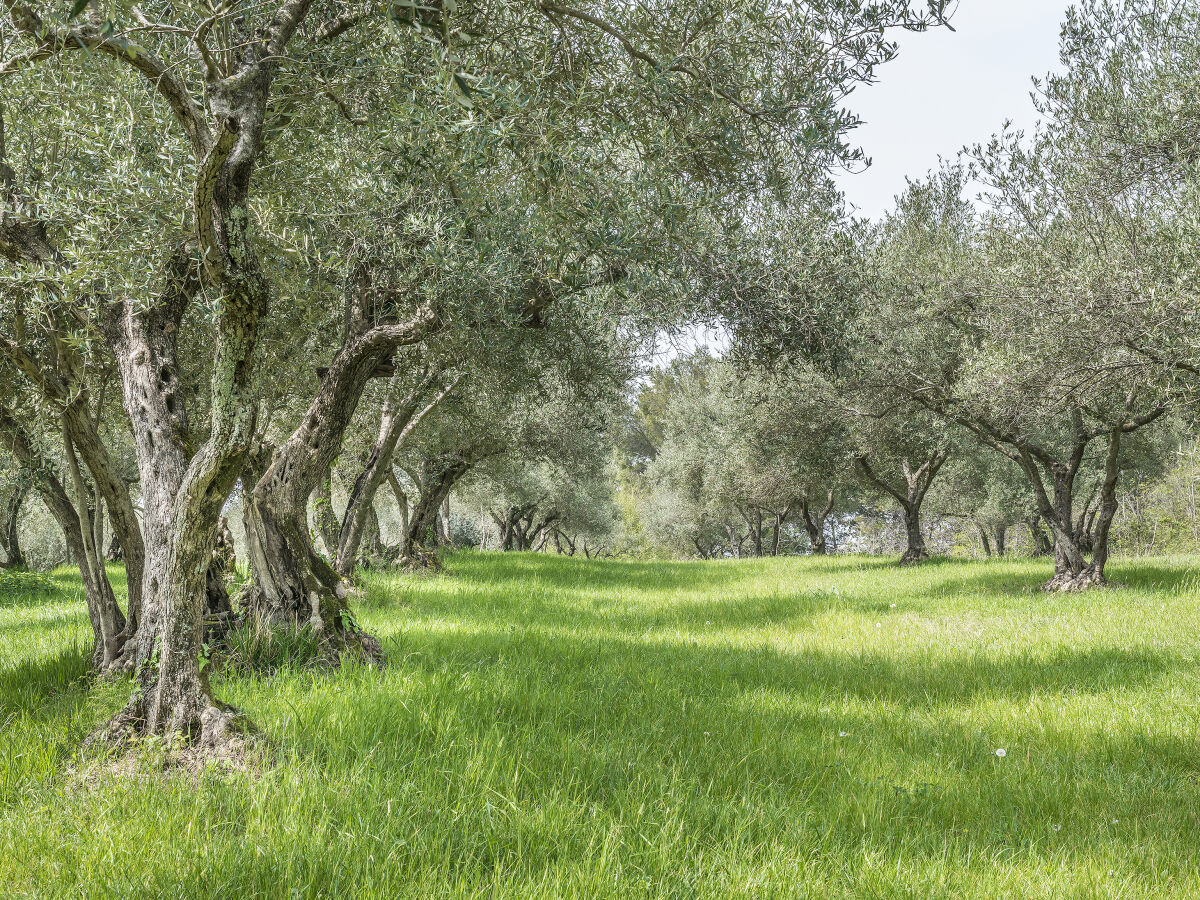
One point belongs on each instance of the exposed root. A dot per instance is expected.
(221, 740)
(1066, 582)
(263, 649)
(912, 557)
(421, 560)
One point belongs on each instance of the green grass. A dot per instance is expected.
(564, 728)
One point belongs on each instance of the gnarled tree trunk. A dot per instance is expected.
(293, 586)
(441, 474)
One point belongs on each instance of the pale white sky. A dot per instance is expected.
(949, 89)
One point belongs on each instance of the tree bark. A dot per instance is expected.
(441, 474)
(324, 516)
(776, 528)
(401, 499)
(108, 623)
(397, 422)
(1042, 544)
(10, 539)
(984, 539)
(910, 498)
(814, 521)
(292, 586)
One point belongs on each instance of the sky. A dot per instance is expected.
(949, 89)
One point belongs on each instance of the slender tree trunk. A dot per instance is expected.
(983, 539)
(401, 499)
(445, 521)
(397, 422)
(14, 557)
(915, 551)
(1001, 538)
(441, 475)
(1042, 544)
(814, 522)
(108, 623)
(1107, 509)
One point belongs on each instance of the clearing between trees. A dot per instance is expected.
(560, 727)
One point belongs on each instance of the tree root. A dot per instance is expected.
(1067, 582)
(221, 737)
(421, 560)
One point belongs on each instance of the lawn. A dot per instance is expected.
(552, 727)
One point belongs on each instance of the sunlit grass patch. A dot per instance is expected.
(555, 727)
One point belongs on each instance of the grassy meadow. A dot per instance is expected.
(552, 727)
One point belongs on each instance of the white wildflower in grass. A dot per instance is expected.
(1002, 753)
(843, 734)
(893, 606)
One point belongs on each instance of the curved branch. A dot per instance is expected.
(211, 255)
(161, 76)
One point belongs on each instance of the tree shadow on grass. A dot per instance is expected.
(1154, 578)
(27, 685)
(718, 731)
(575, 572)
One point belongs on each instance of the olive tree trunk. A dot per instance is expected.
(293, 586)
(910, 497)
(10, 536)
(441, 474)
(108, 622)
(814, 521)
(400, 417)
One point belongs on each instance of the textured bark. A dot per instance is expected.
(1042, 544)
(1073, 571)
(444, 521)
(292, 585)
(324, 516)
(401, 499)
(108, 624)
(1000, 538)
(218, 611)
(10, 537)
